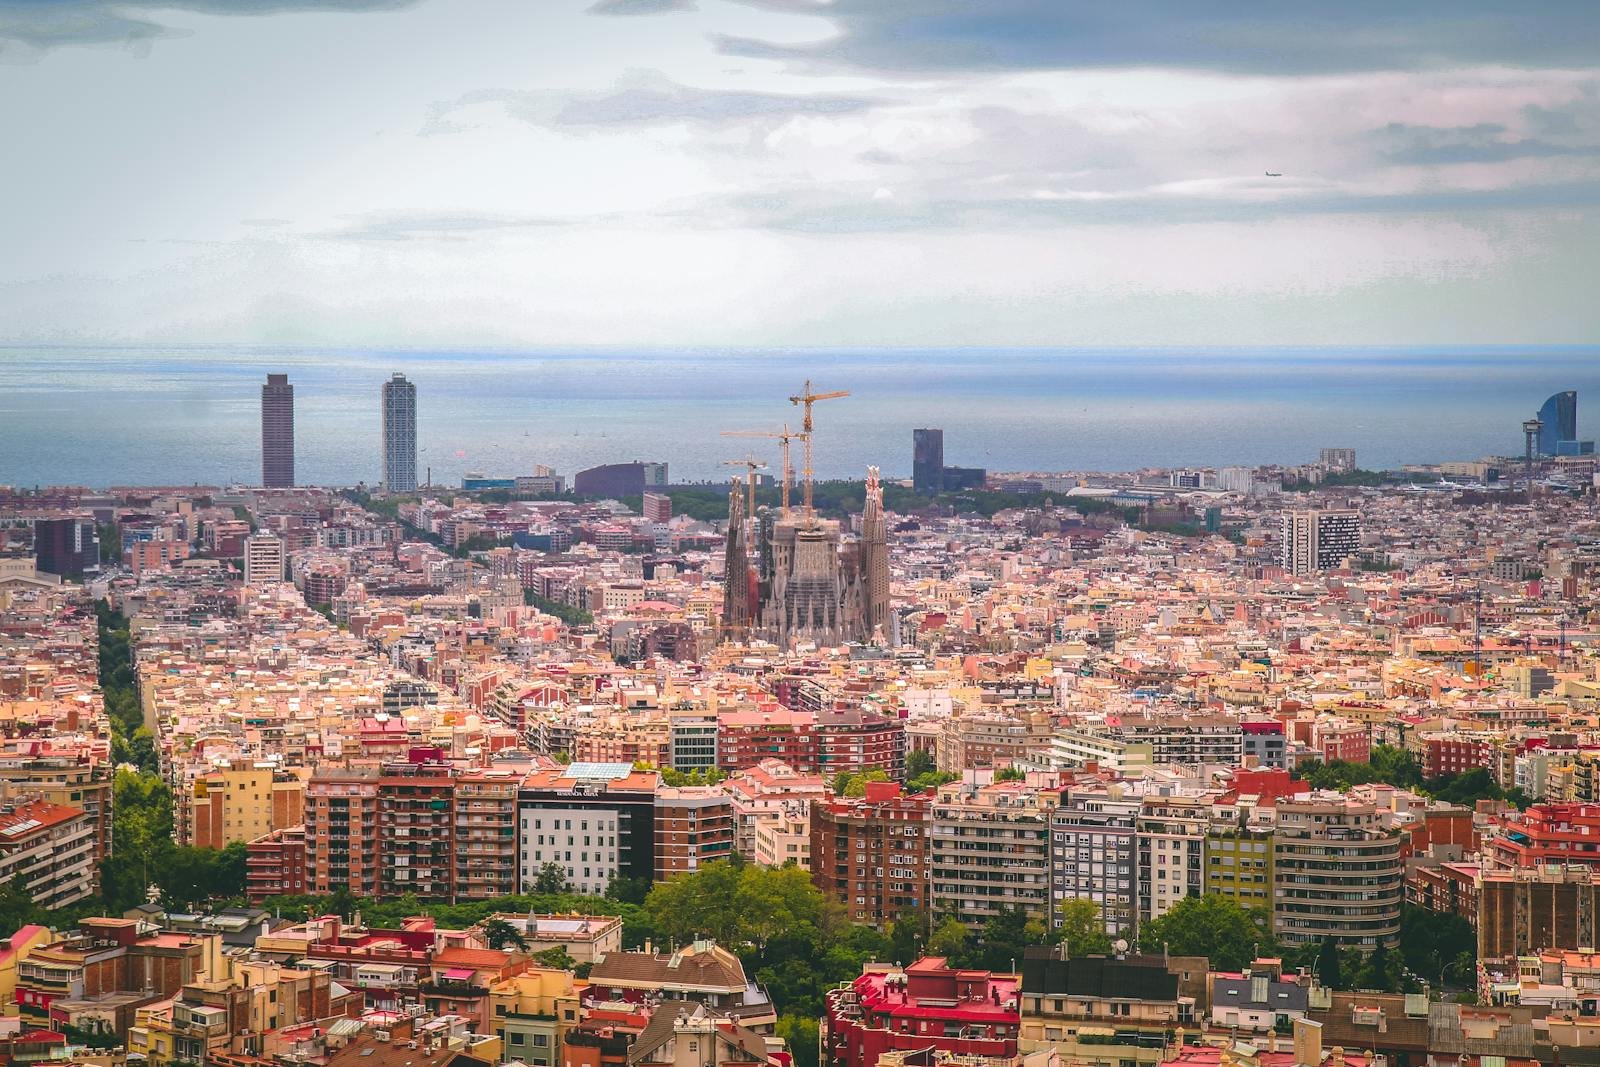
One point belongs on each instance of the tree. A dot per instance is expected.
(1082, 932)
(497, 934)
(802, 1037)
(1009, 774)
(919, 762)
(342, 902)
(16, 905)
(627, 890)
(905, 940)
(697, 904)
(556, 958)
(772, 901)
(1328, 968)
(1215, 926)
(1439, 946)
(1467, 788)
(1005, 934)
(846, 784)
(551, 879)
(931, 780)
(949, 939)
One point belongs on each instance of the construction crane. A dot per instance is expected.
(783, 437)
(751, 464)
(808, 398)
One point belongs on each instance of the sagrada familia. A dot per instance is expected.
(793, 578)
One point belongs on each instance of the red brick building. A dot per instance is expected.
(1445, 754)
(106, 957)
(1345, 740)
(823, 742)
(853, 740)
(745, 738)
(871, 853)
(341, 831)
(275, 865)
(693, 826)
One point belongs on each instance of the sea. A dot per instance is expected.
(103, 416)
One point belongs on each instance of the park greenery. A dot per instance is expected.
(144, 851)
(922, 774)
(565, 612)
(1230, 935)
(1389, 765)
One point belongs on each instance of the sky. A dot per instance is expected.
(799, 172)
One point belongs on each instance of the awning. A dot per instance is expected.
(458, 974)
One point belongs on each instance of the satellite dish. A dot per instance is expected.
(1121, 945)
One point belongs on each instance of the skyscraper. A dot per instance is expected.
(66, 547)
(927, 460)
(1559, 421)
(1318, 540)
(399, 435)
(277, 432)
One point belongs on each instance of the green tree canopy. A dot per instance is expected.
(949, 938)
(1329, 967)
(1083, 930)
(498, 934)
(551, 879)
(737, 904)
(846, 784)
(1213, 926)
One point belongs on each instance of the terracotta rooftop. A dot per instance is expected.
(700, 966)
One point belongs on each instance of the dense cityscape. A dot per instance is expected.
(1237, 767)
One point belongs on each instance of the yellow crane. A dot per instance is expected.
(783, 437)
(751, 464)
(808, 398)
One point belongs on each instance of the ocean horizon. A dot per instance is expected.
(104, 415)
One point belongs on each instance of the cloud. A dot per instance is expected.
(1297, 37)
(401, 226)
(640, 7)
(649, 98)
(38, 26)
(1484, 142)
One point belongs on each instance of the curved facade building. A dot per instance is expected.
(1559, 416)
(1337, 873)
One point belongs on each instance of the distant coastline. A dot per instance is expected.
(102, 415)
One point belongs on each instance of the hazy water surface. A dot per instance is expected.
(119, 416)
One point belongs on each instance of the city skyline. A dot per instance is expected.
(772, 173)
(799, 533)
(503, 413)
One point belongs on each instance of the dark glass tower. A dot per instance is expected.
(277, 432)
(1560, 421)
(927, 460)
(399, 435)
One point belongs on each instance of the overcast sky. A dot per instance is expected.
(796, 172)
